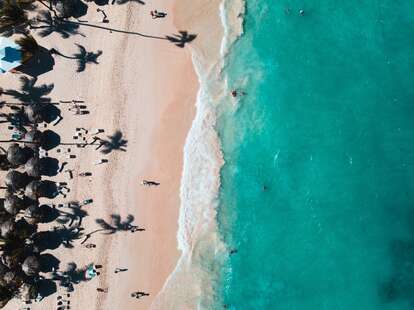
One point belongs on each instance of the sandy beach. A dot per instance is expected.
(145, 88)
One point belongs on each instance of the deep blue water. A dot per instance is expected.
(318, 187)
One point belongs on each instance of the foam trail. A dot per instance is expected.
(191, 285)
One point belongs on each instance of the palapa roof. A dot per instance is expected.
(16, 155)
(34, 112)
(33, 167)
(7, 228)
(15, 179)
(10, 55)
(35, 137)
(33, 214)
(27, 292)
(13, 204)
(31, 266)
(33, 189)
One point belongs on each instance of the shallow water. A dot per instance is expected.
(318, 186)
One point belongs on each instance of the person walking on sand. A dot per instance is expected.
(138, 295)
(149, 183)
(102, 290)
(155, 14)
(105, 19)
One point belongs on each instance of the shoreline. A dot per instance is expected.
(203, 251)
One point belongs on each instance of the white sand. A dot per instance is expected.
(147, 89)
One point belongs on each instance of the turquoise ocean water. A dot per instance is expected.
(327, 127)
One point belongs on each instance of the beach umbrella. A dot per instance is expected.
(31, 266)
(34, 113)
(16, 155)
(13, 204)
(10, 55)
(33, 167)
(16, 180)
(7, 228)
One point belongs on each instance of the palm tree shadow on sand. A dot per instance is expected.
(82, 57)
(29, 93)
(115, 225)
(114, 142)
(181, 39)
(46, 24)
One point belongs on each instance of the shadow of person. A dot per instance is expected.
(41, 62)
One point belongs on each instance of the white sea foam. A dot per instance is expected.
(191, 285)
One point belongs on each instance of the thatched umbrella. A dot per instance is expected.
(34, 138)
(33, 167)
(31, 266)
(33, 214)
(27, 292)
(34, 113)
(33, 190)
(12, 279)
(4, 163)
(65, 8)
(7, 228)
(16, 155)
(13, 204)
(3, 269)
(16, 180)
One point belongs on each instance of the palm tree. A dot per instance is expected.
(28, 46)
(13, 19)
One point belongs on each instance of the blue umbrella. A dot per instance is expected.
(10, 55)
